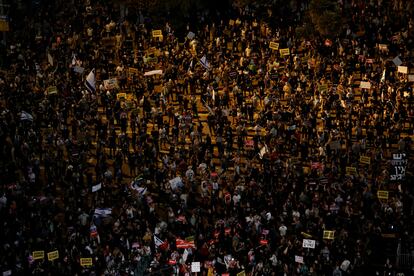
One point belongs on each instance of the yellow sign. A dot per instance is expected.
(121, 96)
(306, 235)
(4, 25)
(38, 255)
(86, 261)
(156, 33)
(351, 170)
(365, 160)
(242, 273)
(274, 46)
(322, 87)
(328, 235)
(284, 52)
(53, 255)
(230, 46)
(382, 194)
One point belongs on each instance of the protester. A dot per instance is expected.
(148, 152)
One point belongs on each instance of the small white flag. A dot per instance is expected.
(97, 187)
(50, 59)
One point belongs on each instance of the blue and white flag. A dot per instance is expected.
(204, 62)
(102, 212)
(90, 81)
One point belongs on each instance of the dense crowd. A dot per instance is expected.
(231, 156)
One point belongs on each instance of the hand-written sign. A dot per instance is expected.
(398, 166)
(308, 243)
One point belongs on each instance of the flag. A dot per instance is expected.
(50, 59)
(90, 81)
(204, 62)
(74, 61)
(190, 67)
(159, 243)
(24, 116)
(383, 76)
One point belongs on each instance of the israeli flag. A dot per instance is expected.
(204, 62)
(90, 81)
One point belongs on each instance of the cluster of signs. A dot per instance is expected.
(53, 255)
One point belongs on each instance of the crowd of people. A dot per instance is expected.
(227, 153)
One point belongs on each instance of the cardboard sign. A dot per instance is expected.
(365, 160)
(274, 46)
(365, 85)
(230, 46)
(328, 235)
(308, 243)
(156, 33)
(299, 259)
(195, 267)
(86, 261)
(53, 255)
(284, 52)
(351, 171)
(4, 25)
(37, 255)
(382, 195)
(403, 69)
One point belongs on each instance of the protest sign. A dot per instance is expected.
(53, 255)
(351, 171)
(308, 243)
(382, 194)
(175, 182)
(110, 84)
(328, 235)
(38, 255)
(403, 69)
(365, 160)
(241, 273)
(195, 267)
(156, 33)
(397, 61)
(410, 78)
(274, 46)
(365, 85)
(299, 259)
(284, 52)
(51, 90)
(398, 166)
(86, 261)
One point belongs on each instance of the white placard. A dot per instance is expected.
(403, 69)
(411, 78)
(190, 35)
(195, 267)
(308, 243)
(365, 85)
(97, 187)
(299, 259)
